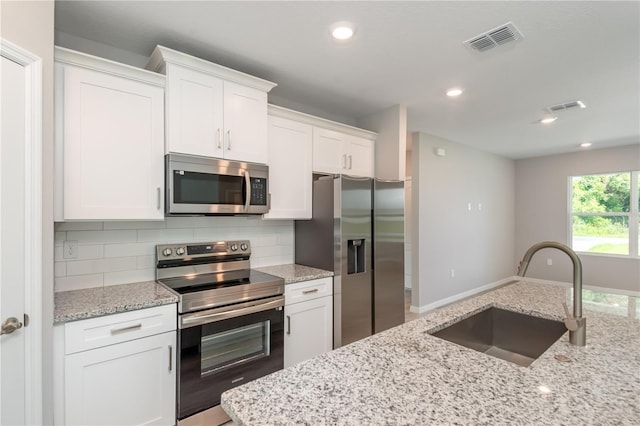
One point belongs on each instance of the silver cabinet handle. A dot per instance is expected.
(344, 161)
(288, 324)
(125, 329)
(219, 139)
(229, 140)
(315, 290)
(170, 357)
(350, 162)
(10, 325)
(158, 197)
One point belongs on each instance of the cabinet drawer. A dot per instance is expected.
(108, 330)
(308, 290)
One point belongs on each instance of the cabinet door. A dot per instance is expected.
(113, 147)
(359, 153)
(328, 154)
(308, 329)
(290, 175)
(130, 383)
(194, 113)
(245, 123)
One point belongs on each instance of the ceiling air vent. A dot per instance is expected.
(566, 106)
(495, 37)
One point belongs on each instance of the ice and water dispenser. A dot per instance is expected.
(355, 256)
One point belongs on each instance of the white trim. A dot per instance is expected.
(95, 63)
(457, 297)
(301, 117)
(163, 55)
(584, 287)
(460, 296)
(33, 233)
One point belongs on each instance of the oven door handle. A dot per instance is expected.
(227, 312)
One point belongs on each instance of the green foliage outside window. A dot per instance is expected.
(601, 194)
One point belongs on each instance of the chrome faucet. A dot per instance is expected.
(576, 324)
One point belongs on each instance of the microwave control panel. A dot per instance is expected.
(258, 192)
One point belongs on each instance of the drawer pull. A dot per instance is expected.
(288, 324)
(125, 329)
(315, 290)
(170, 357)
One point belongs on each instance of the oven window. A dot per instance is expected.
(234, 347)
(207, 188)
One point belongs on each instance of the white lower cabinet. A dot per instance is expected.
(127, 380)
(308, 314)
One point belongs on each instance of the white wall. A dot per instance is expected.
(477, 242)
(29, 24)
(111, 253)
(391, 143)
(542, 191)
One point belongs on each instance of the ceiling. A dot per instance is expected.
(407, 53)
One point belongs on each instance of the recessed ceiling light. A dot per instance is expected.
(452, 93)
(585, 144)
(548, 120)
(343, 31)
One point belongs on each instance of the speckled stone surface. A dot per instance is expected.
(94, 302)
(293, 273)
(405, 376)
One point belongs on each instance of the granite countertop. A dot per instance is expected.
(293, 273)
(94, 302)
(405, 376)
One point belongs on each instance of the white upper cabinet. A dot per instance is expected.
(290, 175)
(194, 119)
(342, 152)
(328, 156)
(212, 110)
(109, 140)
(359, 156)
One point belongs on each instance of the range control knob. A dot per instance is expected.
(244, 247)
(180, 251)
(167, 252)
(234, 247)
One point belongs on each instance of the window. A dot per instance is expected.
(604, 213)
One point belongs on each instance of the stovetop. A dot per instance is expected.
(210, 275)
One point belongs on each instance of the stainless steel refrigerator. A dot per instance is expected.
(368, 285)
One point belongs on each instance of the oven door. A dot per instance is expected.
(226, 347)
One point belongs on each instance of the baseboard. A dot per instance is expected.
(460, 296)
(457, 297)
(586, 287)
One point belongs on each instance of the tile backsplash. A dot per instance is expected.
(112, 253)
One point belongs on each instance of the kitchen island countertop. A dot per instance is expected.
(405, 376)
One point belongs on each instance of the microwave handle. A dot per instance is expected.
(247, 181)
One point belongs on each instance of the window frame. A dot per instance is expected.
(633, 215)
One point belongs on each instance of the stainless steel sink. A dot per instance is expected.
(507, 335)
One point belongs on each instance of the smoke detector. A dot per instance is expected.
(566, 106)
(493, 38)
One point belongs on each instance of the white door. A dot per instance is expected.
(20, 231)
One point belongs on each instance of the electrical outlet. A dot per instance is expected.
(70, 250)
(453, 273)
(549, 262)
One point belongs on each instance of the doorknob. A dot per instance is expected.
(10, 325)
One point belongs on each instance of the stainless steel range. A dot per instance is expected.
(230, 323)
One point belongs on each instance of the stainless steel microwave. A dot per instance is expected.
(206, 186)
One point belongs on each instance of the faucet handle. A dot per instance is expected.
(570, 321)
